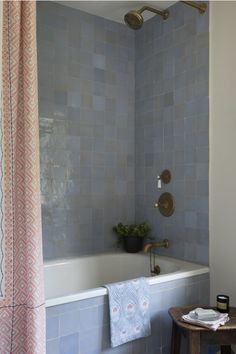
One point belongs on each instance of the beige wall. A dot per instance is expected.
(223, 149)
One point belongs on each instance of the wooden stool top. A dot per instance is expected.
(177, 312)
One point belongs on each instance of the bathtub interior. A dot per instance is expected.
(70, 276)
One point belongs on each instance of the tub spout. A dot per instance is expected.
(150, 246)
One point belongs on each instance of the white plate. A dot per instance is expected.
(193, 316)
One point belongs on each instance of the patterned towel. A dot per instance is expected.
(129, 310)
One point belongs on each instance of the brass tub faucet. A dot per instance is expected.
(151, 246)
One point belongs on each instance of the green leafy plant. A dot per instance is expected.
(140, 230)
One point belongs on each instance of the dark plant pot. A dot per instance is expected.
(133, 244)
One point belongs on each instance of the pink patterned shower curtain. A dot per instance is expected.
(22, 309)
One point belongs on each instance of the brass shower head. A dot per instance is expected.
(134, 19)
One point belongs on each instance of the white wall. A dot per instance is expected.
(223, 149)
(1, 8)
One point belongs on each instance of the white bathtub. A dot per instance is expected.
(68, 280)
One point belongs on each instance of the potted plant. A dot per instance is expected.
(132, 236)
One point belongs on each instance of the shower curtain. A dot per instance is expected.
(22, 309)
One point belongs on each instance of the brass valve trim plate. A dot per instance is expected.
(166, 204)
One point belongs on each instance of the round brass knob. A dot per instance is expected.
(165, 176)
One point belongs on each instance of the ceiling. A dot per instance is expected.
(115, 10)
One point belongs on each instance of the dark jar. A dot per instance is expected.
(222, 303)
(133, 244)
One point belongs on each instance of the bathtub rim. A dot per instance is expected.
(182, 273)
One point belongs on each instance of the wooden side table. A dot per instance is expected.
(224, 336)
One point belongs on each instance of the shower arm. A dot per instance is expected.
(164, 13)
(201, 6)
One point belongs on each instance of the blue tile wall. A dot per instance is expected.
(82, 327)
(171, 128)
(116, 108)
(86, 107)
